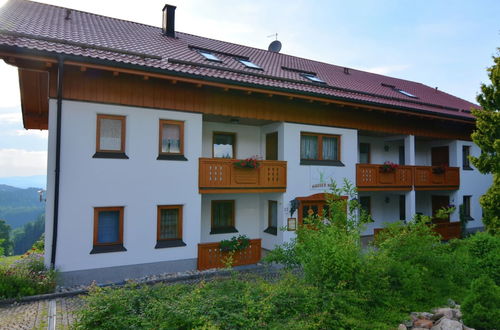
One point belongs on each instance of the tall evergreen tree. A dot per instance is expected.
(5, 241)
(487, 137)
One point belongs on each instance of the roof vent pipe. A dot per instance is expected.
(168, 24)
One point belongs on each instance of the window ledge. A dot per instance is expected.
(169, 243)
(223, 230)
(469, 218)
(467, 168)
(321, 162)
(171, 157)
(116, 155)
(107, 248)
(271, 230)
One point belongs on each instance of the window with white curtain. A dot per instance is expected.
(171, 137)
(315, 146)
(110, 133)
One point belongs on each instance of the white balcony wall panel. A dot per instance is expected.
(248, 138)
(247, 220)
(381, 150)
(384, 208)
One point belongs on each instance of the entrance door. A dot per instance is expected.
(437, 203)
(272, 146)
(440, 156)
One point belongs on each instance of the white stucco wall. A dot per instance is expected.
(139, 184)
(472, 183)
(381, 210)
(299, 176)
(142, 182)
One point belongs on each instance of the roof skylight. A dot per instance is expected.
(248, 64)
(405, 93)
(209, 56)
(313, 78)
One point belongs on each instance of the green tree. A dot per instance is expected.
(24, 237)
(487, 137)
(5, 241)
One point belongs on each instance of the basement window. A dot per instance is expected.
(405, 93)
(249, 64)
(209, 56)
(313, 78)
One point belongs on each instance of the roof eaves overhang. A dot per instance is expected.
(52, 57)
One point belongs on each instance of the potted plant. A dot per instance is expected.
(438, 169)
(252, 162)
(388, 167)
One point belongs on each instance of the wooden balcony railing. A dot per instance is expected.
(211, 256)
(371, 177)
(219, 175)
(436, 178)
(448, 230)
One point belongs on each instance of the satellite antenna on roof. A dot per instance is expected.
(274, 46)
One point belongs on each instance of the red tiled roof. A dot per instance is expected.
(42, 27)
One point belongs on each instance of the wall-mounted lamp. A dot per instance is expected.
(387, 199)
(386, 148)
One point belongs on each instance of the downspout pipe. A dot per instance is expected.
(60, 74)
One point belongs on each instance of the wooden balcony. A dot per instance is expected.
(211, 256)
(219, 175)
(369, 177)
(432, 178)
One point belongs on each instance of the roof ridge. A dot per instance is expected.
(87, 12)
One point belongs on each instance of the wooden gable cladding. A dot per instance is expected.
(34, 86)
(126, 89)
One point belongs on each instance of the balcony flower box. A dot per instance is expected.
(438, 170)
(388, 167)
(252, 163)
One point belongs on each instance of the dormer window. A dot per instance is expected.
(313, 78)
(209, 56)
(249, 64)
(405, 93)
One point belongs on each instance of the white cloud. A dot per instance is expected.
(32, 132)
(9, 85)
(11, 118)
(19, 162)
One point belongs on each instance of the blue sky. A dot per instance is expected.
(445, 44)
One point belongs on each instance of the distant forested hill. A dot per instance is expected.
(20, 206)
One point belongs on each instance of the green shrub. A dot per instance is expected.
(221, 304)
(481, 307)
(484, 250)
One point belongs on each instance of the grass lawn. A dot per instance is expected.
(5, 261)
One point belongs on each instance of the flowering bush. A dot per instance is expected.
(252, 162)
(388, 167)
(26, 276)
